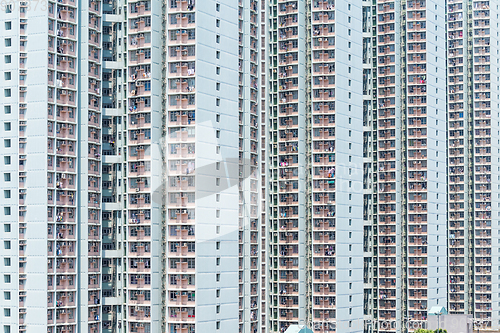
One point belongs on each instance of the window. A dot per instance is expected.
(6, 211)
(6, 177)
(6, 261)
(217, 245)
(217, 101)
(217, 23)
(6, 160)
(6, 126)
(6, 143)
(217, 118)
(6, 227)
(8, 25)
(217, 39)
(6, 295)
(7, 76)
(217, 325)
(7, 109)
(6, 329)
(217, 7)
(6, 278)
(7, 92)
(217, 54)
(8, 42)
(217, 135)
(6, 245)
(8, 59)
(217, 277)
(217, 70)
(217, 85)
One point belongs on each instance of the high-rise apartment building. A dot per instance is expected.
(315, 145)
(473, 131)
(251, 259)
(334, 129)
(409, 173)
(245, 166)
(410, 158)
(179, 122)
(51, 166)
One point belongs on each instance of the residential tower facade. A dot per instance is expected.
(245, 166)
